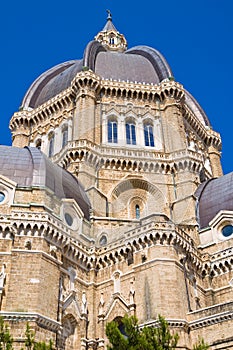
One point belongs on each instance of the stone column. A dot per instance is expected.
(215, 162)
(20, 129)
(86, 85)
(84, 118)
(20, 137)
(121, 130)
(104, 129)
(172, 126)
(140, 133)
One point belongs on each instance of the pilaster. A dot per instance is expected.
(172, 126)
(215, 162)
(20, 137)
(86, 86)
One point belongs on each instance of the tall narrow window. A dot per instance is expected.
(112, 131)
(64, 137)
(51, 146)
(137, 211)
(130, 134)
(149, 135)
(38, 144)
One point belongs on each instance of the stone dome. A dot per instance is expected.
(213, 196)
(141, 64)
(30, 167)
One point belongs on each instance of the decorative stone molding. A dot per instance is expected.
(41, 320)
(205, 133)
(125, 159)
(152, 233)
(212, 316)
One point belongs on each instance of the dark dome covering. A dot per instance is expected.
(214, 195)
(140, 64)
(121, 66)
(30, 167)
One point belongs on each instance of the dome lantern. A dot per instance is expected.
(110, 38)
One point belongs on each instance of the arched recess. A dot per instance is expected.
(117, 308)
(69, 337)
(73, 325)
(133, 188)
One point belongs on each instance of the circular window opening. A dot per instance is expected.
(103, 240)
(2, 197)
(227, 230)
(69, 219)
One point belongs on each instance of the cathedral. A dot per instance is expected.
(113, 202)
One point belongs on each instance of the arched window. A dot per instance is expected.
(121, 326)
(103, 240)
(111, 40)
(51, 145)
(38, 144)
(149, 135)
(64, 137)
(130, 133)
(112, 131)
(137, 208)
(137, 211)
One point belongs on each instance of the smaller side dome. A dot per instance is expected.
(213, 196)
(30, 167)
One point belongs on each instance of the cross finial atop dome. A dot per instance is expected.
(109, 25)
(110, 38)
(109, 15)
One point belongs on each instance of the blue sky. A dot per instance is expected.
(194, 36)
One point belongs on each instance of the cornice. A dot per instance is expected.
(220, 262)
(134, 240)
(88, 83)
(37, 116)
(141, 91)
(212, 319)
(206, 321)
(209, 136)
(41, 320)
(88, 256)
(123, 158)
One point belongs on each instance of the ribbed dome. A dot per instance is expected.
(133, 65)
(140, 64)
(30, 167)
(214, 195)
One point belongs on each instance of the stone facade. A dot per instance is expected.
(141, 251)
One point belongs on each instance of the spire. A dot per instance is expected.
(109, 15)
(110, 38)
(109, 25)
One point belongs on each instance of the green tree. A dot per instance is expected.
(201, 345)
(134, 338)
(29, 337)
(31, 344)
(6, 339)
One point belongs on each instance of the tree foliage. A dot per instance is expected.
(201, 345)
(31, 344)
(131, 337)
(6, 339)
(134, 338)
